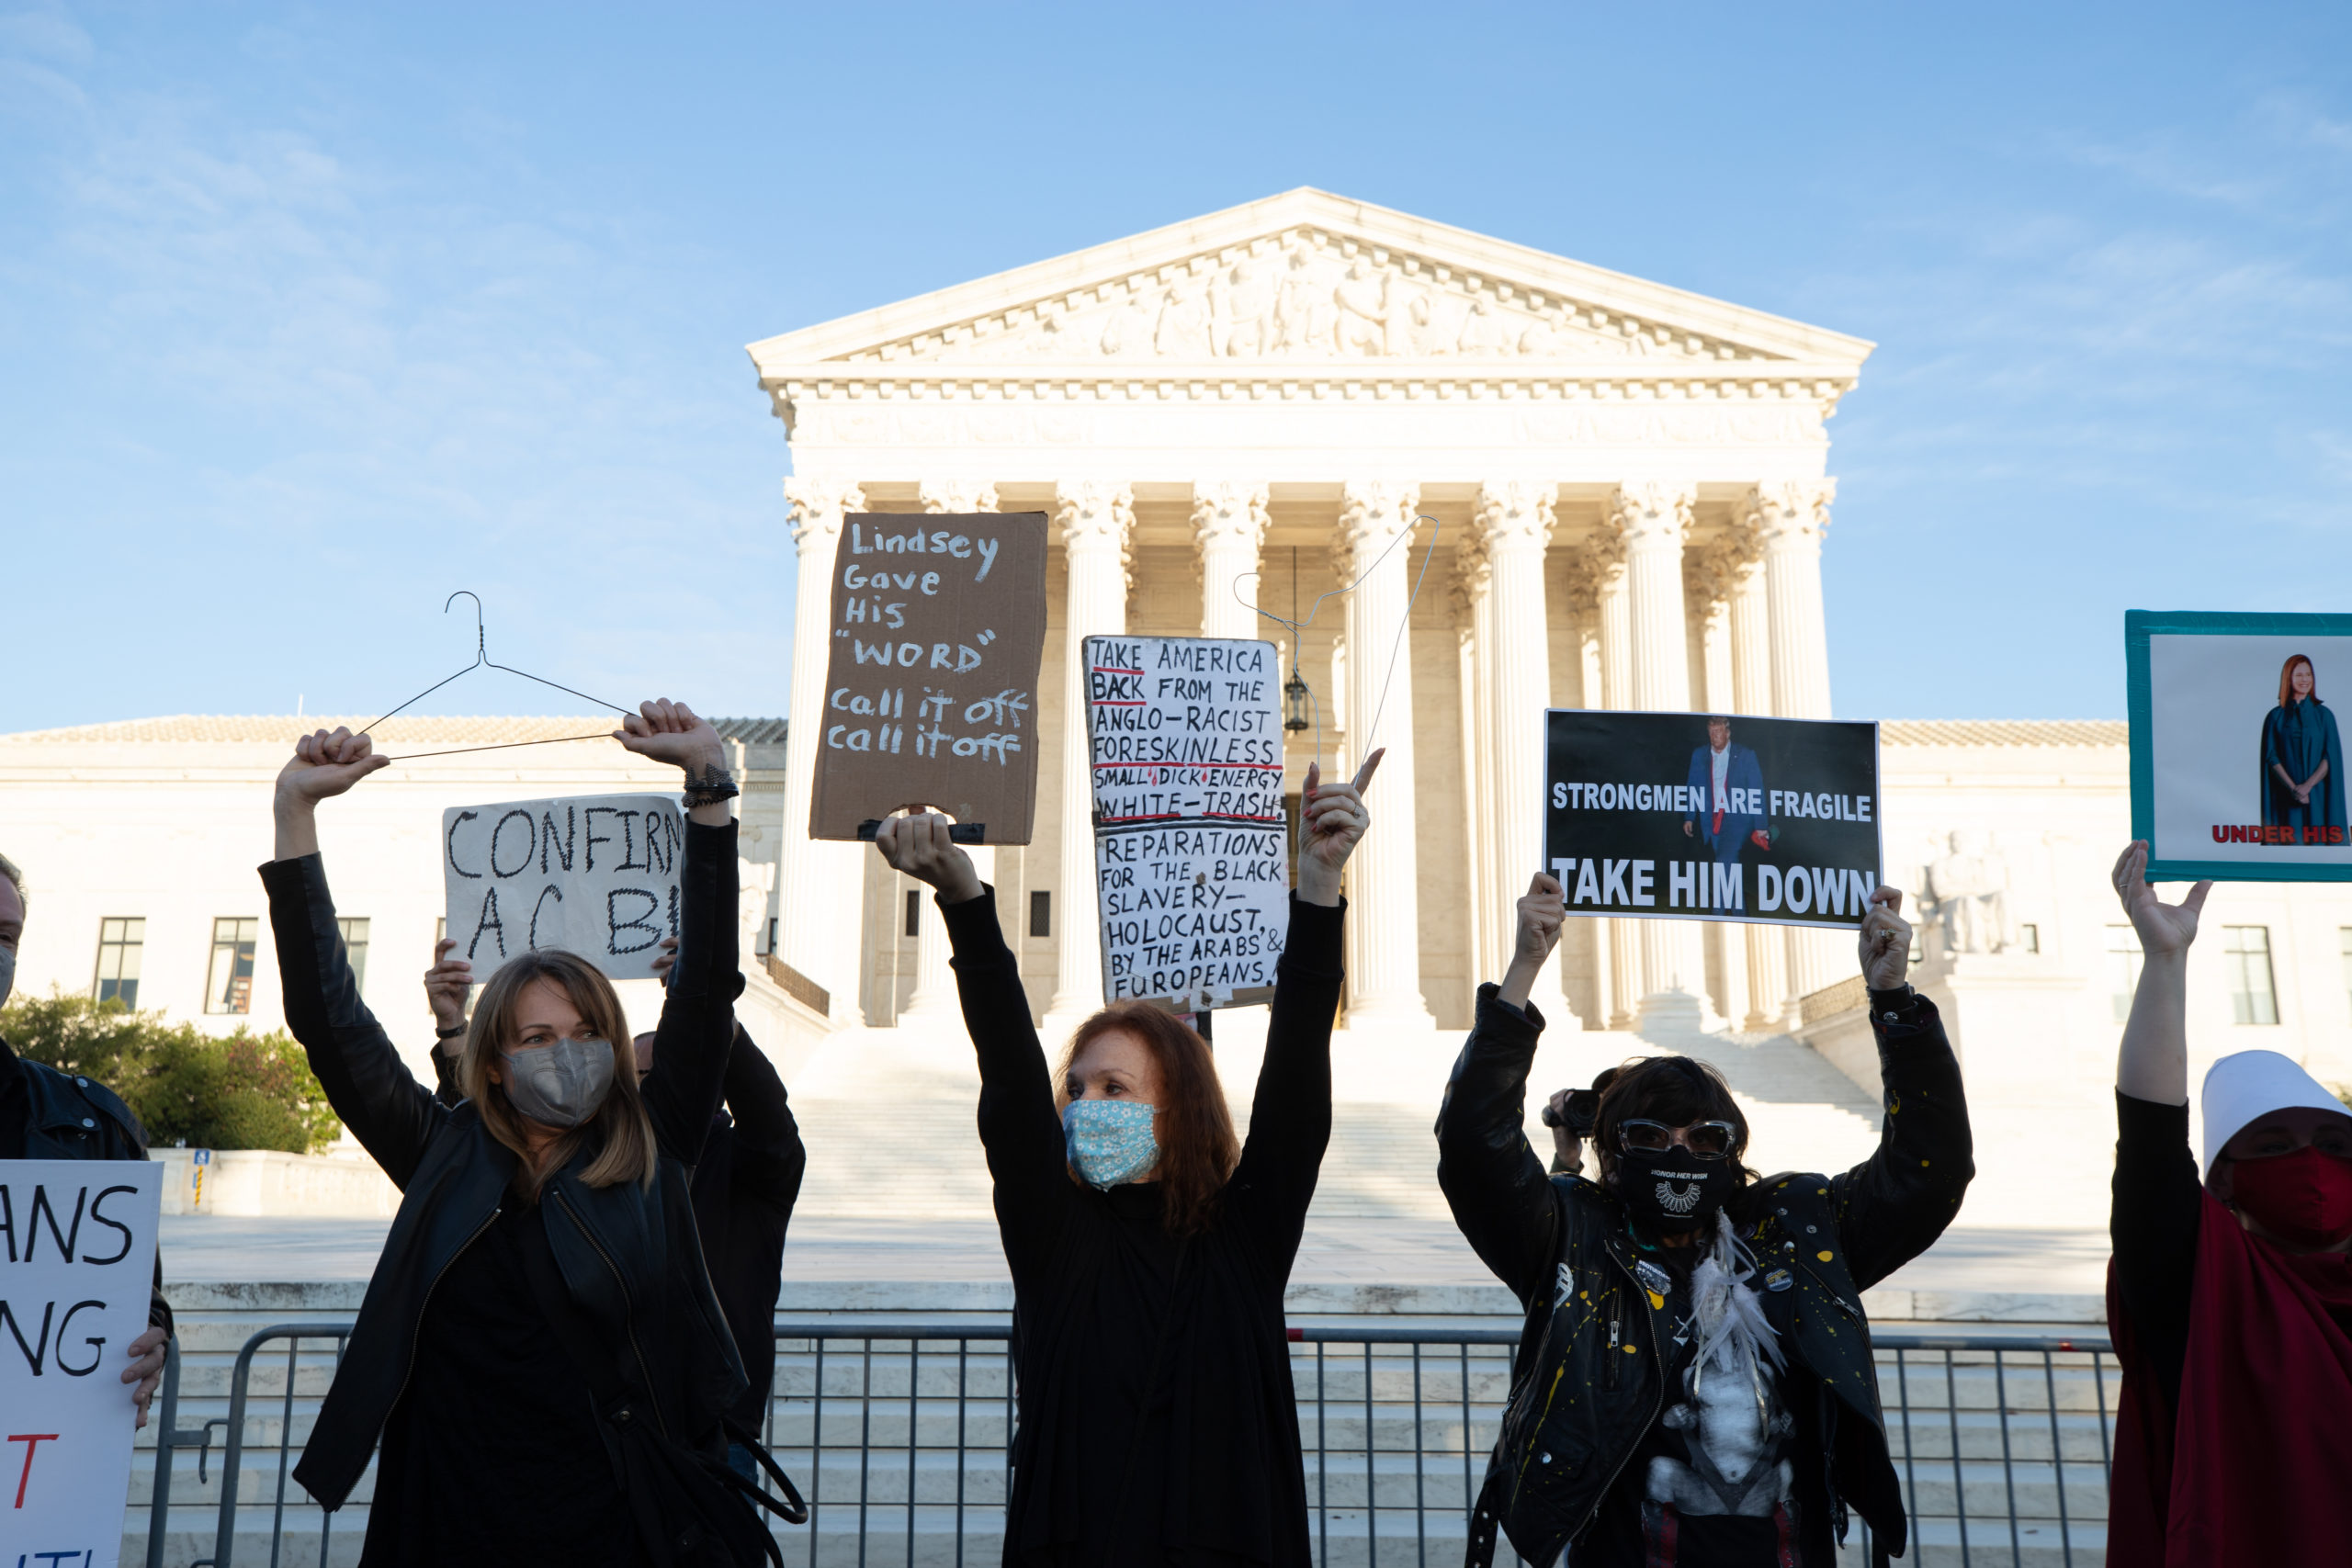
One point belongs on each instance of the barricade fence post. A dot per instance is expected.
(1432, 1398)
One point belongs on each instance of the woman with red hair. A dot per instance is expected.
(1148, 1248)
(2303, 756)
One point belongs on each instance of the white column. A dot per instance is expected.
(1097, 518)
(1710, 585)
(934, 991)
(1514, 524)
(1654, 518)
(1751, 687)
(1613, 608)
(1229, 525)
(819, 883)
(1384, 916)
(1789, 517)
(1479, 942)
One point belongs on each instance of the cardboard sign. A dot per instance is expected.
(939, 624)
(594, 874)
(77, 1256)
(1190, 839)
(1660, 816)
(2237, 751)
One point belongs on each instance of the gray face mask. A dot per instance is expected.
(561, 1085)
(8, 973)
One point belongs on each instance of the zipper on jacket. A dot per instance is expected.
(418, 1332)
(1616, 1330)
(629, 1309)
(1634, 1447)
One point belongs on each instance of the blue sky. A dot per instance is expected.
(310, 315)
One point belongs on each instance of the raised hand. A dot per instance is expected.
(2163, 928)
(324, 765)
(1332, 821)
(1886, 942)
(919, 845)
(1542, 911)
(446, 985)
(664, 960)
(670, 732)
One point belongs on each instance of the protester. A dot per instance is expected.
(1149, 1253)
(46, 1114)
(540, 1349)
(744, 1189)
(1694, 1384)
(1569, 1113)
(2230, 1301)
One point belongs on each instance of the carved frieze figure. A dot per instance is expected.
(1241, 304)
(1968, 895)
(1302, 304)
(1363, 302)
(1183, 332)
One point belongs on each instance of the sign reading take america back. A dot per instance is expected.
(1680, 815)
(931, 692)
(1191, 840)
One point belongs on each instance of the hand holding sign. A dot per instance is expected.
(2164, 928)
(1886, 942)
(446, 985)
(1332, 821)
(146, 1370)
(1541, 913)
(919, 846)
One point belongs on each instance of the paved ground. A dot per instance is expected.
(1337, 1250)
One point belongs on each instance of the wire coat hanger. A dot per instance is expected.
(483, 660)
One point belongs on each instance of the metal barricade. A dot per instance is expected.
(899, 1432)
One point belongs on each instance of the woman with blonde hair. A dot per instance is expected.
(1149, 1247)
(540, 1349)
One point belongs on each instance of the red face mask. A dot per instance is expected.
(2304, 1196)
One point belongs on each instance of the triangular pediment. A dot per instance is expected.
(1308, 278)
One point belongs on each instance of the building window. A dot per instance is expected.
(2246, 951)
(355, 943)
(914, 911)
(2122, 968)
(119, 943)
(770, 948)
(1041, 917)
(231, 987)
(2029, 937)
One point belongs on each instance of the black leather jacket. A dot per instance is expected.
(1588, 1380)
(67, 1116)
(627, 1253)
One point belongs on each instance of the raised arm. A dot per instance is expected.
(445, 985)
(1290, 1117)
(1894, 1205)
(697, 1026)
(770, 1158)
(1502, 1199)
(1018, 1125)
(390, 1113)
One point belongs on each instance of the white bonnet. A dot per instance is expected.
(2242, 1087)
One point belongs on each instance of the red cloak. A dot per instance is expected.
(2256, 1470)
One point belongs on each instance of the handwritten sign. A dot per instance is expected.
(931, 691)
(594, 874)
(1190, 839)
(77, 1254)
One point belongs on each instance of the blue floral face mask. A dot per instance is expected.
(1109, 1141)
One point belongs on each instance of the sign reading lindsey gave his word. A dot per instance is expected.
(1190, 843)
(77, 1255)
(939, 622)
(2237, 756)
(1681, 816)
(595, 875)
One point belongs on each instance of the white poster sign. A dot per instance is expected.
(77, 1255)
(594, 874)
(1190, 839)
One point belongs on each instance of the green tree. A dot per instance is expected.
(239, 1092)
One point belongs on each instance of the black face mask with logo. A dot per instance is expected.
(1671, 1192)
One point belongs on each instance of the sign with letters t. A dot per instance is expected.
(1190, 839)
(594, 874)
(1685, 815)
(931, 688)
(2237, 759)
(77, 1257)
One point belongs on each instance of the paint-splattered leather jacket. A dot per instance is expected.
(1588, 1380)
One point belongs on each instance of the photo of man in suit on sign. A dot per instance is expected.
(1729, 786)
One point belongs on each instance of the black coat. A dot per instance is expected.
(1588, 1378)
(1159, 1423)
(627, 1253)
(46, 1114)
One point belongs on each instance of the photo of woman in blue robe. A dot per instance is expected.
(2302, 756)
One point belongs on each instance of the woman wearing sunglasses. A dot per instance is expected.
(2231, 1299)
(1695, 1384)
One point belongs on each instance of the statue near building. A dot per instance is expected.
(1968, 895)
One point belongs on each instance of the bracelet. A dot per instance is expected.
(451, 1033)
(709, 787)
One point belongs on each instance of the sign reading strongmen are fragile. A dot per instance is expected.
(938, 627)
(77, 1257)
(1690, 816)
(1192, 842)
(594, 874)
